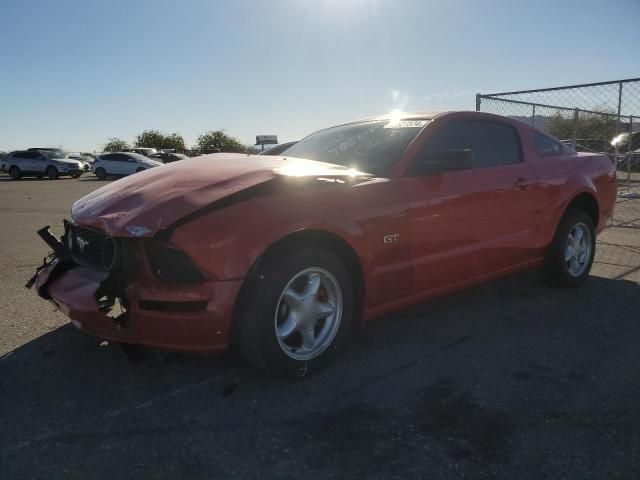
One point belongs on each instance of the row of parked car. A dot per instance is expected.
(54, 162)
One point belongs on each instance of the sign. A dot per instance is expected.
(266, 139)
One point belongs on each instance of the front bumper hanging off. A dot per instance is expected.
(153, 313)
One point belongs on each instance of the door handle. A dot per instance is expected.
(521, 183)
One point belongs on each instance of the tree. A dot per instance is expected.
(174, 141)
(150, 139)
(217, 139)
(115, 145)
(592, 126)
(157, 139)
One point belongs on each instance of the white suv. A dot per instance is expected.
(121, 163)
(35, 163)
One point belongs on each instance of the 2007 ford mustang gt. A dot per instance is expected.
(281, 256)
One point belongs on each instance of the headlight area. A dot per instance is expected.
(126, 260)
(171, 264)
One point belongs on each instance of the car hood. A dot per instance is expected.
(150, 201)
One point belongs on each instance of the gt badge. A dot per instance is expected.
(391, 238)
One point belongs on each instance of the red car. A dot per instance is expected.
(280, 257)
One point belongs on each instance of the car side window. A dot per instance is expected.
(20, 155)
(546, 146)
(471, 144)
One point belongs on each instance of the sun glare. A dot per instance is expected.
(394, 117)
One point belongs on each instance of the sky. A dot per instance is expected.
(75, 73)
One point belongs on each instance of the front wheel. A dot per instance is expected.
(570, 256)
(52, 173)
(101, 173)
(298, 312)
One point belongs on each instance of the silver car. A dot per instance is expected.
(36, 163)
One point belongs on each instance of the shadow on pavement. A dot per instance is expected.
(508, 379)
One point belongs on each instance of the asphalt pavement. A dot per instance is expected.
(511, 380)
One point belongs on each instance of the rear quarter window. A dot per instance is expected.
(546, 146)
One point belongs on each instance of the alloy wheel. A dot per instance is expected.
(308, 313)
(578, 249)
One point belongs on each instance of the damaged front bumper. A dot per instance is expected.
(176, 317)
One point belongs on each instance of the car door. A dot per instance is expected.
(471, 216)
(446, 209)
(513, 194)
(118, 164)
(129, 164)
(37, 162)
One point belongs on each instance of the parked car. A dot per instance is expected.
(168, 157)
(83, 157)
(621, 141)
(121, 163)
(588, 145)
(280, 257)
(38, 163)
(145, 151)
(277, 149)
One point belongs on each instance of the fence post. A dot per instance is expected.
(478, 101)
(615, 154)
(575, 128)
(629, 153)
(533, 115)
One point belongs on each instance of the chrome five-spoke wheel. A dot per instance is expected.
(578, 249)
(308, 313)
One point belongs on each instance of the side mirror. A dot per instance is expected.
(445, 160)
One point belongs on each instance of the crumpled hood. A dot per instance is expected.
(142, 204)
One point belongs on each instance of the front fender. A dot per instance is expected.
(225, 243)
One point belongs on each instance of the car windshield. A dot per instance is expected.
(372, 146)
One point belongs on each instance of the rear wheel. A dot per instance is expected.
(15, 173)
(101, 173)
(298, 312)
(570, 256)
(52, 173)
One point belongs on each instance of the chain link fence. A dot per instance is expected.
(597, 117)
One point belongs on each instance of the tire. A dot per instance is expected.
(269, 329)
(15, 173)
(101, 173)
(52, 173)
(568, 265)
(138, 170)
